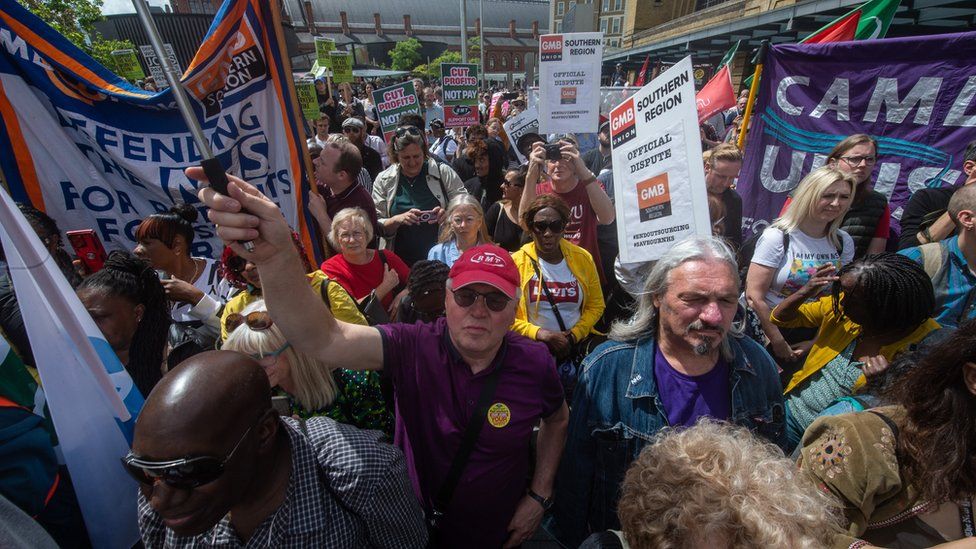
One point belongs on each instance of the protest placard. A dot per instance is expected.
(569, 65)
(460, 88)
(658, 176)
(393, 101)
(127, 65)
(341, 66)
(323, 46)
(154, 66)
(305, 88)
(524, 122)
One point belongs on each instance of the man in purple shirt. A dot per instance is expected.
(677, 360)
(336, 172)
(438, 371)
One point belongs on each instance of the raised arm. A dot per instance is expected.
(599, 200)
(304, 319)
(536, 160)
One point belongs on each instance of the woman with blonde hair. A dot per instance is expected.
(463, 228)
(791, 250)
(716, 485)
(312, 387)
(362, 271)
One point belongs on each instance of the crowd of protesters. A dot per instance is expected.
(472, 366)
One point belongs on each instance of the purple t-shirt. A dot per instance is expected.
(436, 393)
(687, 398)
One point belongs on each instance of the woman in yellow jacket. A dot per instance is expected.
(879, 306)
(561, 297)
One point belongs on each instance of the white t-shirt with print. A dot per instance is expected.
(795, 267)
(566, 291)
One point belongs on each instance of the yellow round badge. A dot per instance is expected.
(499, 415)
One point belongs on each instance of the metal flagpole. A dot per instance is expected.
(481, 40)
(464, 31)
(210, 164)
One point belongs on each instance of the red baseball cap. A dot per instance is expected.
(486, 264)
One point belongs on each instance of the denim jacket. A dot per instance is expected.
(617, 411)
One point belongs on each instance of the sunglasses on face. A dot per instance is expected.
(495, 301)
(540, 227)
(510, 184)
(236, 264)
(257, 321)
(350, 129)
(186, 473)
(408, 130)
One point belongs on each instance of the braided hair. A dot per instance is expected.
(894, 292)
(426, 274)
(131, 278)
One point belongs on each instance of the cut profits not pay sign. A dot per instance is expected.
(392, 102)
(658, 178)
(460, 82)
(569, 82)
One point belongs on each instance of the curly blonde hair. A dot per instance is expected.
(717, 481)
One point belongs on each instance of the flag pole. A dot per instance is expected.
(753, 91)
(210, 164)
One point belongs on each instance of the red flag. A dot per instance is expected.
(643, 72)
(841, 30)
(716, 96)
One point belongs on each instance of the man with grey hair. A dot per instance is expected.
(675, 361)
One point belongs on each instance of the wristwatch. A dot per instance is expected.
(546, 503)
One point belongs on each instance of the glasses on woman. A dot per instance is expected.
(236, 264)
(257, 321)
(351, 235)
(855, 161)
(408, 130)
(511, 184)
(541, 227)
(268, 360)
(495, 301)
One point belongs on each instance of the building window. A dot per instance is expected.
(615, 28)
(617, 5)
(504, 62)
(603, 25)
(560, 8)
(615, 43)
(491, 62)
(559, 27)
(516, 62)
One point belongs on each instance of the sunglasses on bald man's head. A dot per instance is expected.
(257, 321)
(186, 473)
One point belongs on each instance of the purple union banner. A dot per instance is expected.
(914, 95)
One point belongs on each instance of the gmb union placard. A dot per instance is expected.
(569, 82)
(658, 178)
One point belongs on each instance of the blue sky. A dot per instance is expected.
(111, 7)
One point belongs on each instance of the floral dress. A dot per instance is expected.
(359, 402)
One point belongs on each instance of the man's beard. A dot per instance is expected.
(703, 347)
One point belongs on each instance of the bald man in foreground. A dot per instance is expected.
(217, 466)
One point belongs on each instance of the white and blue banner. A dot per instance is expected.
(92, 400)
(93, 151)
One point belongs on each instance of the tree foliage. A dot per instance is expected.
(433, 69)
(75, 19)
(405, 55)
(474, 49)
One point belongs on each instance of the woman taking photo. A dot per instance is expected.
(411, 195)
(502, 217)
(906, 474)
(561, 297)
(127, 302)
(879, 306)
(361, 271)
(192, 284)
(789, 252)
(463, 228)
(312, 388)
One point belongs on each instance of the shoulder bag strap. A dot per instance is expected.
(324, 292)
(545, 290)
(471, 432)
(440, 181)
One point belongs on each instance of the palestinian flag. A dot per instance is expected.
(866, 22)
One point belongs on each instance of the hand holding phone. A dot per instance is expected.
(88, 248)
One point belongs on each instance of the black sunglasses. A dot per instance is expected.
(465, 297)
(408, 130)
(186, 473)
(351, 129)
(556, 226)
(236, 264)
